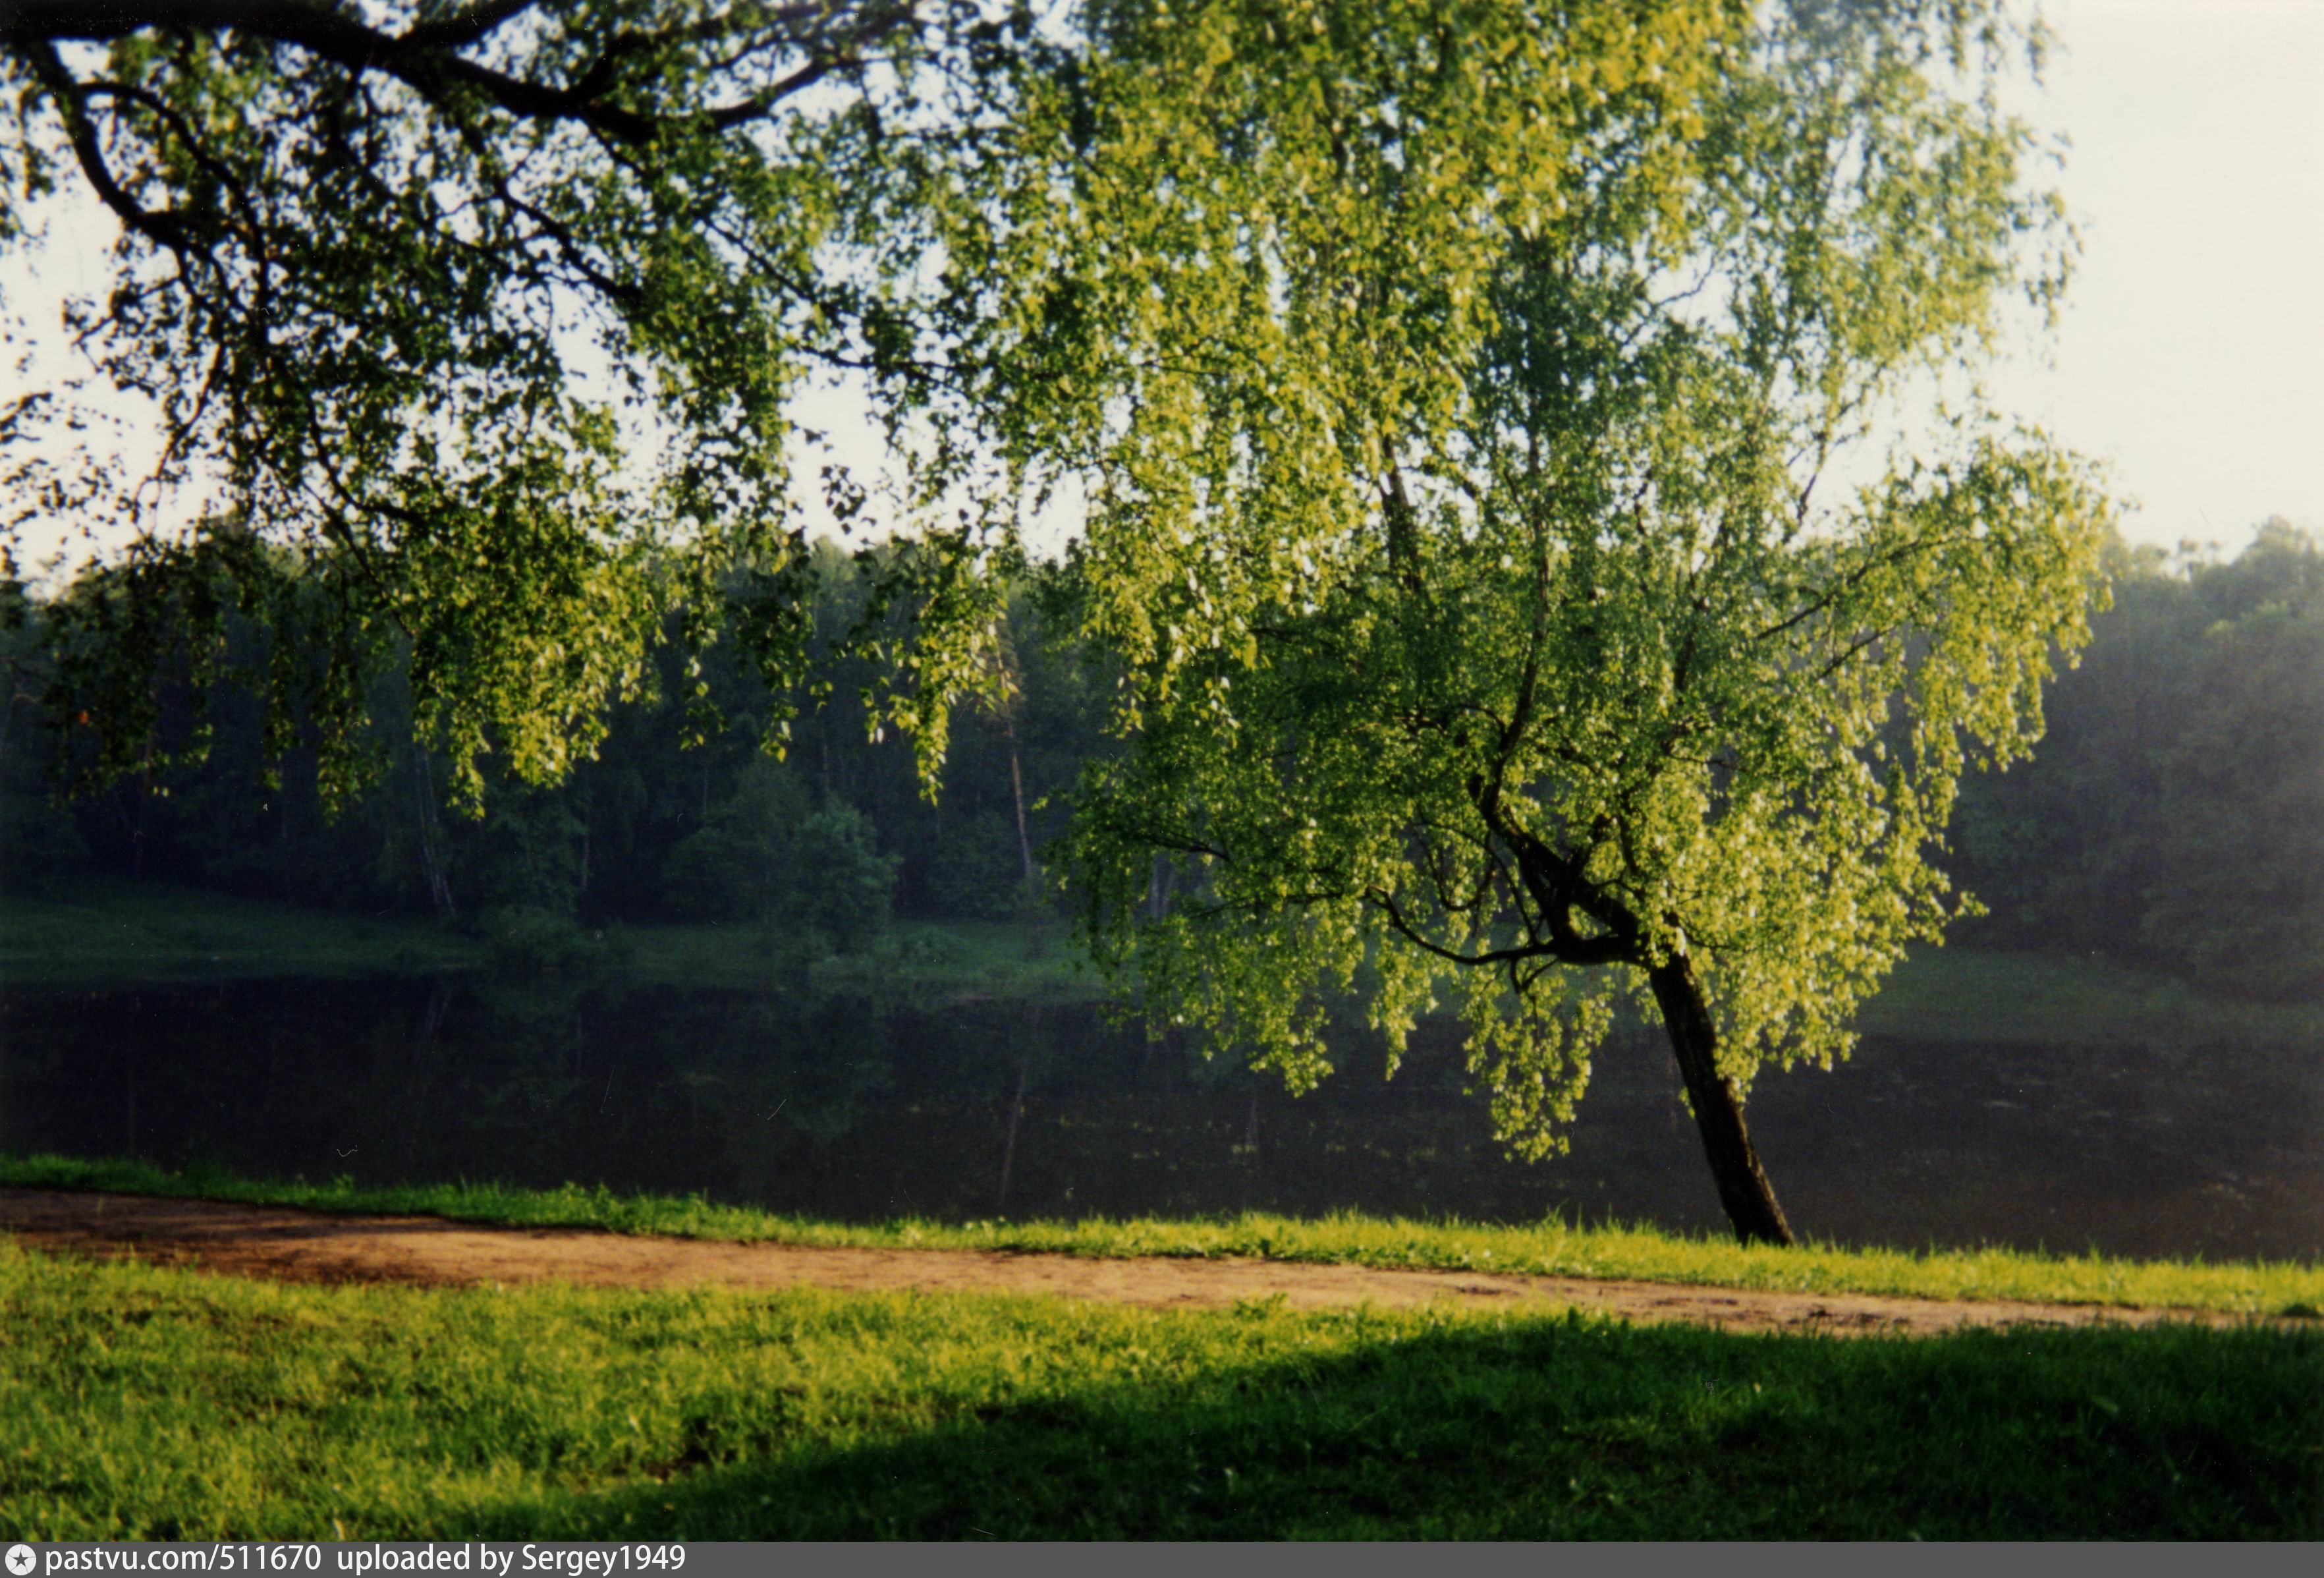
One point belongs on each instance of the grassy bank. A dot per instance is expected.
(134, 934)
(955, 958)
(122, 933)
(142, 1402)
(1550, 1248)
(1970, 994)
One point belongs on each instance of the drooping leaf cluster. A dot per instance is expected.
(654, 827)
(497, 314)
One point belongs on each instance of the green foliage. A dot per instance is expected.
(976, 873)
(1458, 390)
(40, 848)
(485, 323)
(2177, 813)
(741, 865)
(1436, 372)
(529, 858)
(2177, 759)
(251, 815)
(137, 1402)
(844, 885)
(765, 856)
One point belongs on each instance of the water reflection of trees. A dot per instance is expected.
(853, 1106)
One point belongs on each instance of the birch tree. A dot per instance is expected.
(1540, 497)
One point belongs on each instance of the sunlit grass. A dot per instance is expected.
(137, 1402)
(1553, 1248)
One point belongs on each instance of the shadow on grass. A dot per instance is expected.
(1567, 1430)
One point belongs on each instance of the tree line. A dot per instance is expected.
(671, 820)
(2173, 812)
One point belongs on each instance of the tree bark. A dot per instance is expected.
(431, 859)
(1743, 1186)
(1024, 835)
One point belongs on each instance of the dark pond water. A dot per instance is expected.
(844, 1108)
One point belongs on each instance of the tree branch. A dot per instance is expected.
(426, 57)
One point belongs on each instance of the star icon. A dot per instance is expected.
(20, 1560)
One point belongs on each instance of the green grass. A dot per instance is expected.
(123, 934)
(139, 1402)
(1968, 994)
(1551, 1248)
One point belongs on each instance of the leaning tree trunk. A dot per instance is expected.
(1743, 1186)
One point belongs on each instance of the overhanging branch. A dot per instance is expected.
(427, 56)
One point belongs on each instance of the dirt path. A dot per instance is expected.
(304, 1246)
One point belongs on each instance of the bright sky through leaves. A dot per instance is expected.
(2191, 352)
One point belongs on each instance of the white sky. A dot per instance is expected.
(2191, 358)
(2191, 353)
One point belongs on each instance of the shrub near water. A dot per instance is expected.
(526, 941)
(138, 1402)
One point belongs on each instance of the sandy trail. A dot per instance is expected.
(305, 1246)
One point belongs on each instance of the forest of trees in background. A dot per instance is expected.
(2174, 811)
(2174, 814)
(833, 838)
